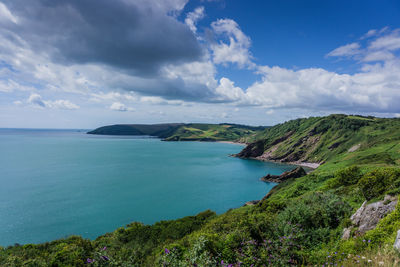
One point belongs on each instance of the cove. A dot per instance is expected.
(56, 183)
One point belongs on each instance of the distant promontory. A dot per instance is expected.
(185, 131)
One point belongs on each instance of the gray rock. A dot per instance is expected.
(397, 241)
(367, 216)
(346, 233)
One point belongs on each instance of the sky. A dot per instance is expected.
(89, 63)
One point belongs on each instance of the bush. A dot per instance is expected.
(380, 181)
(317, 214)
(348, 176)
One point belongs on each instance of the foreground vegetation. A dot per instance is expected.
(300, 223)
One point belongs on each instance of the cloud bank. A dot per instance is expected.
(149, 52)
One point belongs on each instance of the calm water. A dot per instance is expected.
(58, 183)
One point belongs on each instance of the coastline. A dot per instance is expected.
(310, 165)
(231, 142)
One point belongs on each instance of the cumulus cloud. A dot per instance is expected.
(317, 89)
(118, 106)
(193, 17)
(36, 100)
(226, 90)
(139, 51)
(237, 48)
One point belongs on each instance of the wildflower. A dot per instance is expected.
(363, 258)
(369, 260)
(105, 258)
(369, 241)
(381, 263)
(104, 248)
(166, 251)
(88, 260)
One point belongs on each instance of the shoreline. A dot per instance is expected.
(310, 165)
(231, 142)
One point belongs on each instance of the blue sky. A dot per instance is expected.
(62, 65)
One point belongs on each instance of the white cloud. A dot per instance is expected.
(62, 104)
(226, 90)
(118, 106)
(36, 100)
(193, 17)
(237, 50)
(6, 15)
(113, 96)
(378, 56)
(389, 42)
(374, 32)
(345, 50)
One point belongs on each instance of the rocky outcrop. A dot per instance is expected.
(397, 241)
(252, 150)
(367, 216)
(296, 173)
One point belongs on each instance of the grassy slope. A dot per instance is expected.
(299, 223)
(214, 132)
(323, 139)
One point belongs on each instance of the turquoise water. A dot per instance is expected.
(57, 183)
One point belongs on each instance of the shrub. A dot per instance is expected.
(317, 214)
(348, 176)
(379, 181)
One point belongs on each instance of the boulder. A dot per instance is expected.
(296, 173)
(397, 241)
(367, 216)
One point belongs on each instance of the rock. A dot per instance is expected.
(252, 150)
(296, 173)
(367, 216)
(397, 241)
(251, 203)
(354, 148)
(346, 233)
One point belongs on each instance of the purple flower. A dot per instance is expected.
(105, 258)
(166, 251)
(104, 248)
(88, 260)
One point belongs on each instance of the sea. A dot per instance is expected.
(57, 183)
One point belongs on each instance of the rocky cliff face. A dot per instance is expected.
(367, 216)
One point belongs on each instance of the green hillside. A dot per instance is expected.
(299, 223)
(339, 139)
(214, 132)
(184, 132)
